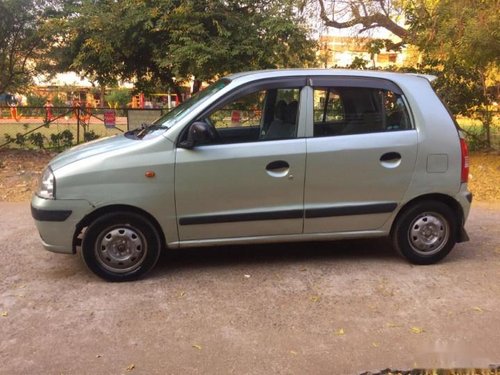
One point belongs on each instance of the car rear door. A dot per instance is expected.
(361, 152)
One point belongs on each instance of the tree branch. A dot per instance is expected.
(368, 21)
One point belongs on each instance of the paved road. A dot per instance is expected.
(332, 308)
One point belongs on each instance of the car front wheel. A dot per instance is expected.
(121, 246)
(425, 232)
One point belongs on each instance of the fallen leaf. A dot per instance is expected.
(393, 325)
(416, 330)
(293, 352)
(182, 294)
(196, 346)
(478, 309)
(340, 332)
(375, 344)
(130, 367)
(303, 269)
(5, 313)
(315, 298)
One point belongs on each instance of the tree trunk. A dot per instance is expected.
(103, 94)
(196, 86)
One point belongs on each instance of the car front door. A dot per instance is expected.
(248, 179)
(362, 148)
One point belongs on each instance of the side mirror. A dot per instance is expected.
(198, 133)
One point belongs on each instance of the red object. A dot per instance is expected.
(110, 118)
(465, 160)
(48, 111)
(235, 117)
(141, 100)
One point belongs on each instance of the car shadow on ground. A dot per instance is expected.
(174, 260)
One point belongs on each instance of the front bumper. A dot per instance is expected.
(56, 221)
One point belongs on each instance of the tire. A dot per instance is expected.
(121, 246)
(425, 232)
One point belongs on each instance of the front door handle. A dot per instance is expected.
(278, 168)
(277, 165)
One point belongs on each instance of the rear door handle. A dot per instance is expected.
(391, 156)
(390, 160)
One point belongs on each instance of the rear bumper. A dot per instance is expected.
(464, 197)
(56, 221)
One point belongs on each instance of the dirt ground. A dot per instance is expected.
(314, 308)
(21, 169)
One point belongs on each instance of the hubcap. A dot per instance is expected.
(120, 249)
(428, 233)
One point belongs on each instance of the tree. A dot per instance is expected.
(23, 41)
(342, 14)
(462, 39)
(459, 41)
(160, 42)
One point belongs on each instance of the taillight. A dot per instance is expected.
(465, 160)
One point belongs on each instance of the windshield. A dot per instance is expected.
(179, 112)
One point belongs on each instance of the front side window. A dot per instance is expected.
(266, 114)
(358, 110)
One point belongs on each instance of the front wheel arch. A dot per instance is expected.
(91, 217)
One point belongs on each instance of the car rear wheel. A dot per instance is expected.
(425, 232)
(121, 246)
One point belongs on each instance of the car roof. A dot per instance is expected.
(277, 73)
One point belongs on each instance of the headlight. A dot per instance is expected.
(46, 188)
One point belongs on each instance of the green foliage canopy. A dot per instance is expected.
(159, 42)
(24, 40)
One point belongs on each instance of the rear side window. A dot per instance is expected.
(358, 110)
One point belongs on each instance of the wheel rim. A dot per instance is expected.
(428, 233)
(121, 249)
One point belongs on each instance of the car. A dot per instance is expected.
(264, 157)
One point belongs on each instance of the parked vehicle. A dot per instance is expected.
(283, 155)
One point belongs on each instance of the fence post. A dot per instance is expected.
(78, 125)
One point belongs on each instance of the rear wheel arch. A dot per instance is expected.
(443, 198)
(427, 228)
(91, 217)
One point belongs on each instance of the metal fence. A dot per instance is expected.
(59, 127)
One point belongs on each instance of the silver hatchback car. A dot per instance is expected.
(269, 156)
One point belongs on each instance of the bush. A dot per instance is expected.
(119, 98)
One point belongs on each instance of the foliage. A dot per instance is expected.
(119, 98)
(459, 41)
(35, 100)
(155, 41)
(62, 140)
(19, 139)
(37, 140)
(89, 136)
(23, 41)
